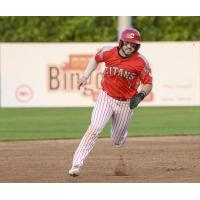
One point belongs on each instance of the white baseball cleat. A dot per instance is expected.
(119, 145)
(74, 171)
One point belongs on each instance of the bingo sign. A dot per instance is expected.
(46, 75)
(24, 93)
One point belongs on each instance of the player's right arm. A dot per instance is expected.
(92, 65)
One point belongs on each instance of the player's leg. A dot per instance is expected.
(120, 121)
(101, 114)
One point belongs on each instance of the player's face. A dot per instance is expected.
(128, 48)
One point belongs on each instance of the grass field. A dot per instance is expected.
(57, 123)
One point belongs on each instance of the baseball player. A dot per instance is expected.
(125, 70)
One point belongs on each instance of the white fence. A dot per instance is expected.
(45, 74)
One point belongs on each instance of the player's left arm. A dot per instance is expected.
(146, 79)
(145, 90)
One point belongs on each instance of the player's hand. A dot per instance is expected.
(82, 82)
(135, 100)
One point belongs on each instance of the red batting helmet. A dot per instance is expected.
(131, 35)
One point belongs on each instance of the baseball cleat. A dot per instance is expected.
(74, 171)
(119, 145)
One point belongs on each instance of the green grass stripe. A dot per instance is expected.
(58, 123)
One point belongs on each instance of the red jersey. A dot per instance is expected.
(122, 76)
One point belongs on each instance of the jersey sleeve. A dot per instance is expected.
(101, 55)
(145, 74)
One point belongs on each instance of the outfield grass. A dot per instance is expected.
(56, 123)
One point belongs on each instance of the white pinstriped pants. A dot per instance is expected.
(105, 108)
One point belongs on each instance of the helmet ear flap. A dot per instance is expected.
(137, 46)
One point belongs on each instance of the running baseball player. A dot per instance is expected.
(125, 70)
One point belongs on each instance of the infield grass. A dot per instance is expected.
(60, 123)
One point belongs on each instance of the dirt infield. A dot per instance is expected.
(142, 159)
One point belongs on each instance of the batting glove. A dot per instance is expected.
(135, 100)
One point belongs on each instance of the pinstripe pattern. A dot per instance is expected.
(120, 122)
(105, 108)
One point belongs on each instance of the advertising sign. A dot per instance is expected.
(46, 74)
